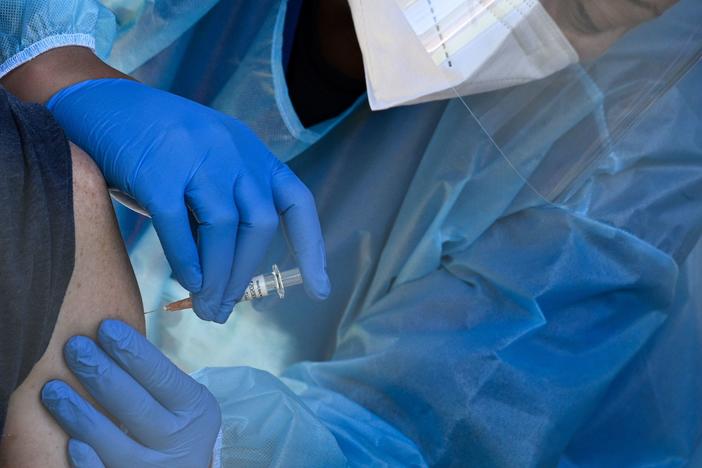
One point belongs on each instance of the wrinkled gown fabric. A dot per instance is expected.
(471, 321)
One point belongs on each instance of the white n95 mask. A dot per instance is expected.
(424, 50)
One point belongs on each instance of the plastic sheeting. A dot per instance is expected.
(613, 93)
(472, 322)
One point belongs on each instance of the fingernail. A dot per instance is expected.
(220, 319)
(115, 331)
(56, 397)
(326, 286)
(224, 314)
(79, 349)
(52, 392)
(319, 290)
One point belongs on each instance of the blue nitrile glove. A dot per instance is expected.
(171, 154)
(172, 421)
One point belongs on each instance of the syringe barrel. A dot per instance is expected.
(263, 285)
(260, 286)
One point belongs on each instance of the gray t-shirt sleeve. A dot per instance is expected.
(36, 236)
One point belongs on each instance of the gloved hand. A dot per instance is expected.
(171, 154)
(172, 420)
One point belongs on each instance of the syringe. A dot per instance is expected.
(260, 286)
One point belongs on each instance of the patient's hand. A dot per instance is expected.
(592, 26)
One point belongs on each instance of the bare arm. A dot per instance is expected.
(102, 286)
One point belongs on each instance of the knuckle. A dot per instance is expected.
(282, 170)
(208, 130)
(166, 212)
(265, 220)
(131, 452)
(208, 133)
(175, 425)
(302, 195)
(83, 411)
(164, 370)
(292, 188)
(218, 132)
(217, 135)
(139, 410)
(223, 218)
(209, 408)
(181, 137)
(283, 178)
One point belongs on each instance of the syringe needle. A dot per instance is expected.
(260, 286)
(182, 304)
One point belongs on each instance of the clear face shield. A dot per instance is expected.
(554, 85)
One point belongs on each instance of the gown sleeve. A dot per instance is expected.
(31, 27)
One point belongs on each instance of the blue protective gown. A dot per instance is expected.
(472, 322)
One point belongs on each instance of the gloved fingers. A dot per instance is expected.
(83, 422)
(174, 389)
(82, 455)
(258, 221)
(296, 203)
(173, 228)
(218, 221)
(117, 391)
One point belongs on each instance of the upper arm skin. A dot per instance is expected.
(102, 286)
